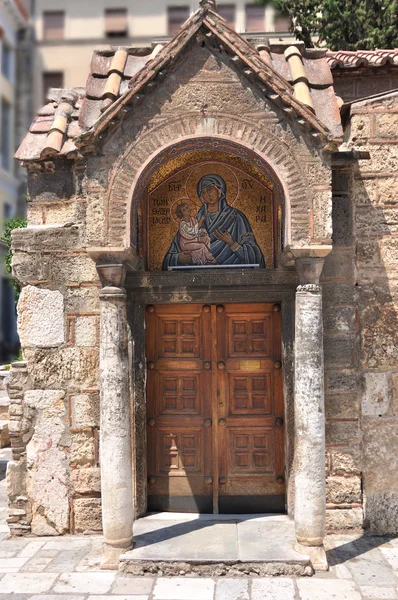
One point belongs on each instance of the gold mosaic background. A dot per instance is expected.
(248, 189)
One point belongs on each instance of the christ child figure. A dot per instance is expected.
(193, 238)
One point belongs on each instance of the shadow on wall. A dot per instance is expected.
(361, 349)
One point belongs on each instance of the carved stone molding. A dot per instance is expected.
(112, 264)
(309, 287)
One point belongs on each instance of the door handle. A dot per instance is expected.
(151, 422)
(151, 365)
(222, 480)
(277, 364)
(221, 365)
(222, 422)
(280, 479)
(207, 365)
(207, 423)
(208, 480)
(279, 421)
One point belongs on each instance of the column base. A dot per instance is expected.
(111, 555)
(317, 556)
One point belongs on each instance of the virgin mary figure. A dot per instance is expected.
(232, 241)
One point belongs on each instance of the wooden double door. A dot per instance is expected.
(215, 408)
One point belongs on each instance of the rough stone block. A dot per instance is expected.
(342, 432)
(381, 512)
(342, 407)
(45, 237)
(87, 515)
(322, 214)
(345, 460)
(51, 186)
(81, 299)
(64, 368)
(375, 400)
(343, 490)
(360, 126)
(87, 331)
(86, 481)
(339, 319)
(339, 350)
(387, 125)
(383, 158)
(387, 190)
(380, 455)
(47, 476)
(342, 221)
(343, 519)
(77, 268)
(379, 337)
(393, 409)
(364, 191)
(82, 451)
(339, 265)
(41, 317)
(85, 410)
(341, 382)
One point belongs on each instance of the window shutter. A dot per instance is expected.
(53, 25)
(177, 15)
(255, 18)
(116, 21)
(227, 12)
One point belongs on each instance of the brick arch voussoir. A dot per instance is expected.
(145, 153)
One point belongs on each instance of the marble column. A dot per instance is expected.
(310, 492)
(115, 421)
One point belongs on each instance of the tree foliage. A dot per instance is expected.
(9, 226)
(343, 24)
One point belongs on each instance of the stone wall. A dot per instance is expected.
(373, 127)
(55, 414)
(351, 84)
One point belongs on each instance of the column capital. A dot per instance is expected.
(113, 263)
(309, 271)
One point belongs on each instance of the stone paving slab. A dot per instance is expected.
(363, 567)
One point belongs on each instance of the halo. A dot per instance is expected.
(173, 208)
(217, 168)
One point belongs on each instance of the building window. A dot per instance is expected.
(52, 80)
(6, 61)
(116, 22)
(177, 15)
(54, 25)
(5, 140)
(255, 18)
(227, 12)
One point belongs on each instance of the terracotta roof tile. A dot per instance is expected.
(118, 74)
(361, 58)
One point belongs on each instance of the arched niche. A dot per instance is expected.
(168, 209)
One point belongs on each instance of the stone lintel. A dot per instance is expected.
(291, 253)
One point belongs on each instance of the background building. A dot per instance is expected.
(67, 32)
(15, 115)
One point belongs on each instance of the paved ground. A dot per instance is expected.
(67, 568)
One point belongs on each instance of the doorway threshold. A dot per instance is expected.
(178, 544)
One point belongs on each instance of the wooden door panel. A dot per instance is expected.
(214, 392)
(250, 385)
(179, 409)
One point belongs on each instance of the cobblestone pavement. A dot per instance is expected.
(67, 568)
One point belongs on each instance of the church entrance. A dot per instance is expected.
(215, 408)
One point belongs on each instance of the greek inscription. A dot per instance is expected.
(247, 183)
(175, 186)
(160, 202)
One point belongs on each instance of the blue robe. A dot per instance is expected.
(229, 219)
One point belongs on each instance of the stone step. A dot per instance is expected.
(4, 434)
(174, 544)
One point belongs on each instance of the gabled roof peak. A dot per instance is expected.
(211, 4)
